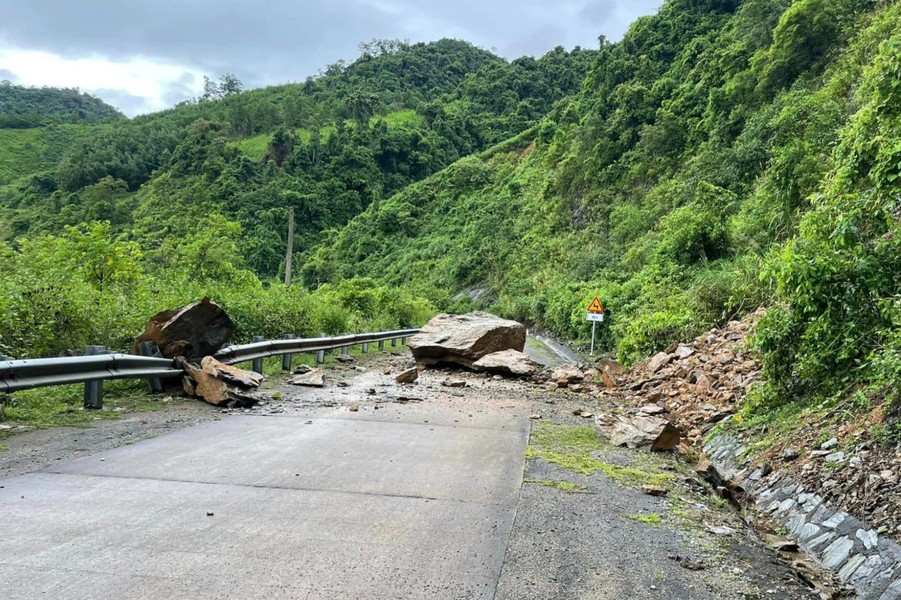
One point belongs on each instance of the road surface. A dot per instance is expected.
(362, 490)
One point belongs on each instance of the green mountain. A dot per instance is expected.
(327, 147)
(723, 156)
(27, 107)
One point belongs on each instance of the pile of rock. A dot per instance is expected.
(695, 385)
(220, 384)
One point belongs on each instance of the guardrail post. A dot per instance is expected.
(381, 344)
(345, 350)
(93, 390)
(403, 341)
(257, 365)
(320, 354)
(394, 342)
(364, 347)
(150, 349)
(286, 358)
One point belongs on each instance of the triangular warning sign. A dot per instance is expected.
(596, 306)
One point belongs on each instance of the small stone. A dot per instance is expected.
(790, 454)
(353, 408)
(720, 530)
(829, 444)
(869, 538)
(835, 457)
(654, 490)
(345, 358)
(535, 417)
(407, 377)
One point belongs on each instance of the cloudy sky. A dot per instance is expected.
(143, 55)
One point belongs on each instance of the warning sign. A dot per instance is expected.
(596, 306)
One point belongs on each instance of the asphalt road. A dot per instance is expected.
(364, 490)
(341, 505)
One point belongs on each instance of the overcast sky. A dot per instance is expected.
(143, 55)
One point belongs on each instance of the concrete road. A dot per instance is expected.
(402, 504)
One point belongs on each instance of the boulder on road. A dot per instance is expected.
(507, 362)
(192, 331)
(639, 430)
(464, 339)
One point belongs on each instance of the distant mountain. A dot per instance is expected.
(25, 107)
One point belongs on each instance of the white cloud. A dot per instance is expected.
(138, 78)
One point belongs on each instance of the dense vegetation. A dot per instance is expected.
(725, 155)
(24, 107)
(194, 200)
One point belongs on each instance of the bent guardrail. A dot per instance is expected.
(99, 365)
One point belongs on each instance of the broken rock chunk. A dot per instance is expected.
(312, 378)
(507, 362)
(640, 430)
(408, 376)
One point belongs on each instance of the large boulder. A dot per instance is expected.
(464, 339)
(192, 331)
(507, 362)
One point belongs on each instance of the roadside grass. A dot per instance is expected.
(653, 519)
(62, 406)
(558, 484)
(572, 447)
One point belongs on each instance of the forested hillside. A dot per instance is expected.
(26, 107)
(106, 224)
(724, 155)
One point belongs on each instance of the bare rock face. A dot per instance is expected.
(192, 331)
(464, 339)
(507, 362)
(639, 430)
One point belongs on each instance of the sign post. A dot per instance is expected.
(595, 315)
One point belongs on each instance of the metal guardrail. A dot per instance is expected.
(98, 365)
(263, 349)
(16, 375)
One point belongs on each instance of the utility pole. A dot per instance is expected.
(290, 253)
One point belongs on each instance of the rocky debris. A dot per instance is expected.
(464, 339)
(507, 362)
(311, 378)
(192, 331)
(219, 384)
(565, 375)
(700, 384)
(345, 358)
(302, 369)
(637, 431)
(408, 376)
(583, 412)
(453, 383)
